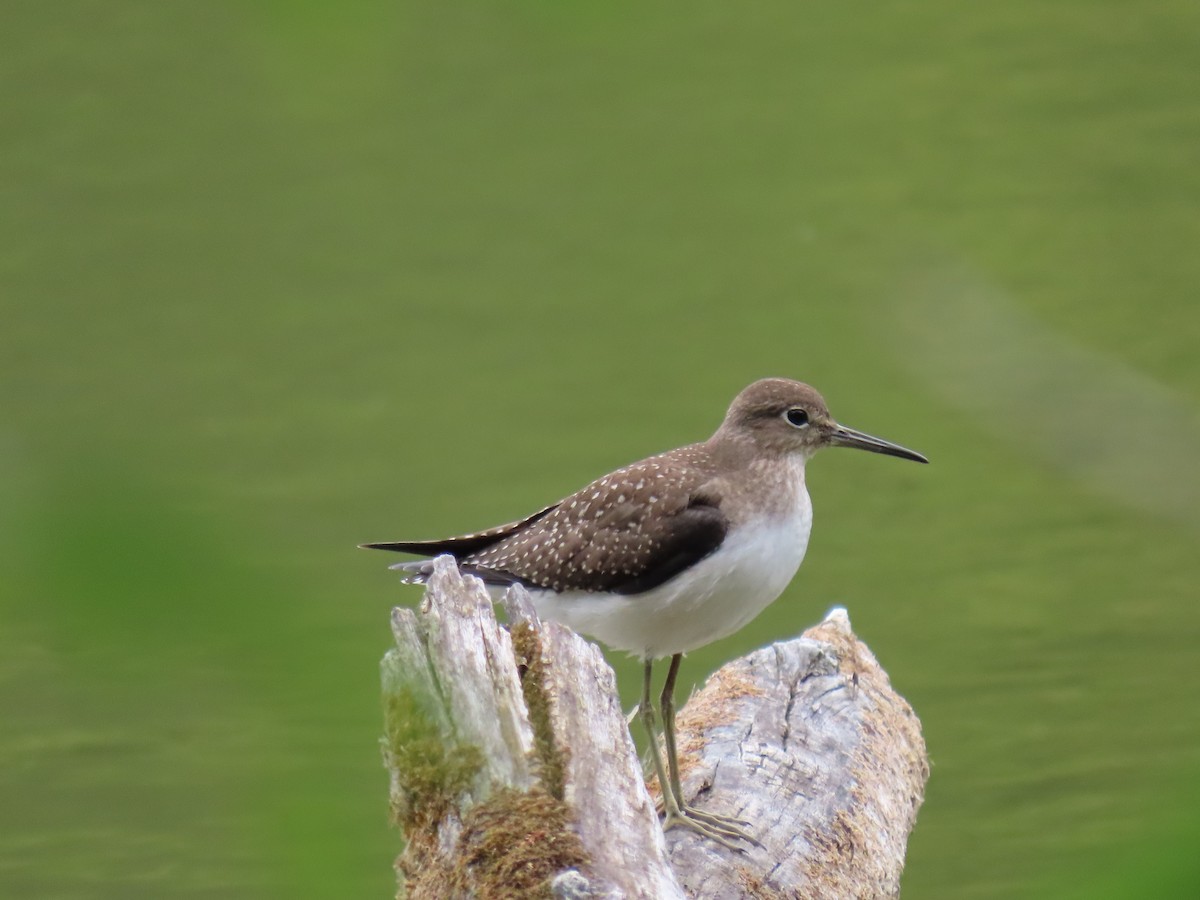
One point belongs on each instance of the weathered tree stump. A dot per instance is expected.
(513, 773)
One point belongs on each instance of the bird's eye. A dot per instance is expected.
(797, 416)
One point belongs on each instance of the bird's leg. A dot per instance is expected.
(667, 701)
(645, 711)
(726, 825)
(673, 815)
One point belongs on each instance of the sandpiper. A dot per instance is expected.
(670, 553)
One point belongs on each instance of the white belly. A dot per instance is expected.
(709, 601)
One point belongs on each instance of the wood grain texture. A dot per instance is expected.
(804, 739)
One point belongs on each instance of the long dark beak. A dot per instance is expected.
(848, 437)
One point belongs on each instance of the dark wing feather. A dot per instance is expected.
(690, 536)
(463, 545)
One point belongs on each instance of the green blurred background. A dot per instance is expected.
(279, 278)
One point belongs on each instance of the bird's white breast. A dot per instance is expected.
(705, 602)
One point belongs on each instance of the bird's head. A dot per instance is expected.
(788, 417)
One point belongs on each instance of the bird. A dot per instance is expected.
(670, 553)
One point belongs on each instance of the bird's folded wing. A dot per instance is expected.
(626, 550)
(625, 533)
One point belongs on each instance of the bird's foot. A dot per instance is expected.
(722, 829)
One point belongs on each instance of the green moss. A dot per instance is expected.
(431, 769)
(512, 845)
(551, 759)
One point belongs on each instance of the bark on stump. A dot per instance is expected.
(513, 773)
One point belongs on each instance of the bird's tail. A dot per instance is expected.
(419, 571)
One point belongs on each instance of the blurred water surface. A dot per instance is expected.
(280, 278)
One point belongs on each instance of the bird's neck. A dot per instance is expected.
(771, 486)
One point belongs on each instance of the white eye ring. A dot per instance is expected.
(797, 416)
